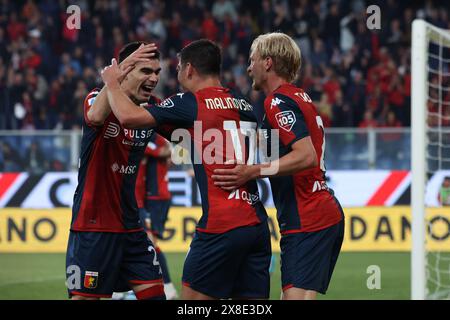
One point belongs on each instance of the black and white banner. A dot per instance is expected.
(353, 188)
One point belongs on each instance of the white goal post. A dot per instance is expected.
(423, 34)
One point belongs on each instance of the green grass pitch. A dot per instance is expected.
(42, 276)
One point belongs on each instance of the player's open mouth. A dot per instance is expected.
(147, 88)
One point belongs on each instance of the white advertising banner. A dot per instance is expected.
(353, 188)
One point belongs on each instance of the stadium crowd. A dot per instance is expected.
(356, 76)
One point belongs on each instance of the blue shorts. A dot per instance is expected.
(158, 211)
(234, 264)
(100, 263)
(308, 259)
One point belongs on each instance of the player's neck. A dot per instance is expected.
(131, 96)
(136, 102)
(273, 82)
(206, 83)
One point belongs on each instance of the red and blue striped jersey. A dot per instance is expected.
(157, 170)
(104, 199)
(213, 121)
(303, 200)
(153, 176)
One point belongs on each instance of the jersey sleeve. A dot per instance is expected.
(155, 145)
(151, 150)
(180, 110)
(284, 114)
(88, 102)
(160, 141)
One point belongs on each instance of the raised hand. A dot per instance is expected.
(143, 54)
(111, 74)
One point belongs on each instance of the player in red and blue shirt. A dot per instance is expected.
(153, 198)
(230, 254)
(310, 218)
(157, 181)
(152, 181)
(107, 247)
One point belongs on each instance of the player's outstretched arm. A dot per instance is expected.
(128, 113)
(303, 156)
(101, 109)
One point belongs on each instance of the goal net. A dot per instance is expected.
(430, 134)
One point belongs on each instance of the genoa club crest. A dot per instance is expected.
(90, 279)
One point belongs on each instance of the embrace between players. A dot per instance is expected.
(230, 253)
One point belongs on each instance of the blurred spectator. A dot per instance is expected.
(244, 34)
(355, 95)
(69, 65)
(300, 26)
(395, 33)
(3, 47)
(325, 110)
(12, 162)
(209, 27)
(391, 139)
(331, 85)
(16, 29)
(191, 11)
(174, 33)
(281, 21)
(319, 56)
(375, 102)
(347, 37)
(396, 98)
(240, 68)
(35, 160)
(190, 32)
(369, 121)
(332, 26)
(266, 17)
(152, 27)
(222, 8)
(342, 112)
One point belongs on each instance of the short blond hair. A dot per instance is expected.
(284, 52)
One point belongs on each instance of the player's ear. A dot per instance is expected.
(268, 62)
(189, 70)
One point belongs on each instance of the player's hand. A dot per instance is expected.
(143, 54)
(111, 74)
(231, 179)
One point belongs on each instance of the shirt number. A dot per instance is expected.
(246, 128)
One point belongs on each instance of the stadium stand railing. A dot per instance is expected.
(346, 149)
